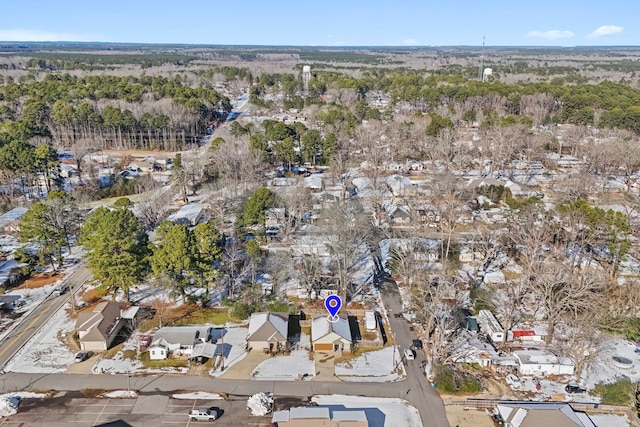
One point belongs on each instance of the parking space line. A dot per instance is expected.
(100, 414)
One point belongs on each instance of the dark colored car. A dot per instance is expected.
(82, 356)
(572, 388)
(417, 344)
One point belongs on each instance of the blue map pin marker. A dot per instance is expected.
(333, 304)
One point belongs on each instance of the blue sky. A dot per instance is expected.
(326, 22)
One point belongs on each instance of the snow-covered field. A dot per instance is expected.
(604, 369)
(288, 367)
(379, 365)
(380, 412)
(45, 352)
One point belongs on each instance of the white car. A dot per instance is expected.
(210, 414)
(409, 354)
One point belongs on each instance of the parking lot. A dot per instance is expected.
(150, 410)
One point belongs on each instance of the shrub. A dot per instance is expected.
(451, 381)
(616, 393)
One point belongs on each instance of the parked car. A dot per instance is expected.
(409, 354)
(82, 356)
(61, 289)
(573, 388)
(417, 344)
(203, 414)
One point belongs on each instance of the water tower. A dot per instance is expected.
(486, 73)
(306, 77)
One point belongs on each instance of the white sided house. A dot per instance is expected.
(331, 336)
(176, 340)
(268, 331)
(490, 326)
(542, 363)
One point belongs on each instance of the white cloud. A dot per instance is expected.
(409, 42)
(551, 34)
(43, 36)
(605, 30)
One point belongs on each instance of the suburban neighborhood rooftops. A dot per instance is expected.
(309, 412)
(184, 335)
(320, 327)
(278, 322)
(13, 215)
(349, 416)
(538, 414)
(539, 357)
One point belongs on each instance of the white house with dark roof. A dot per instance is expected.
(331, 336)
(178, 340)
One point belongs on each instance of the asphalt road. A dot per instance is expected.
(32, 322)
(417, 389)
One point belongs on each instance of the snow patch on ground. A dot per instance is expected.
(118, 365)
(9, 406)
(199, 395)
(380, 412)
(9, 402)
(604, 370)
(291, 367)
(611, 420)
(121, 394)
(45, 353)
(260, 404)
(373, 366)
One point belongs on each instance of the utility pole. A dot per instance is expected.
(222, 365)
(481, 71)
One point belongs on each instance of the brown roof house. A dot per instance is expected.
(268, 331)
(98, 327)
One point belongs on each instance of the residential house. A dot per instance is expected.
(268, 331)
(314, 183)
(331, 336)
(98, 327)
(535, 333)
(319, 417)
(190, 214)
(68, 171)
(9, 272)
(490, 326)
(543, 363)
(177, 340)
(10, 221)
(542, 414)
(468, 348)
